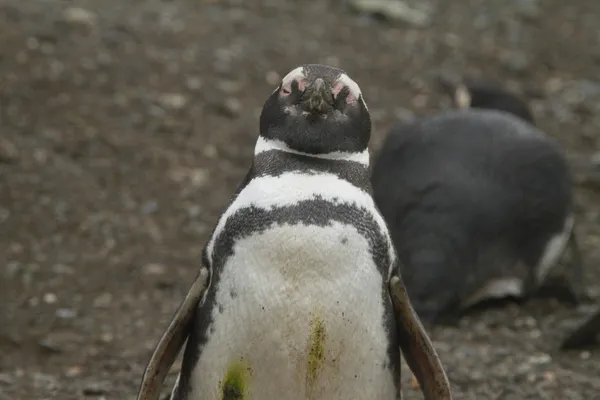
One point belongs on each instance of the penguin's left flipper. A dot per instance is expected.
(416, 346)
(172, 340)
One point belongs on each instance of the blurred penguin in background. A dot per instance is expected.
(478, 201)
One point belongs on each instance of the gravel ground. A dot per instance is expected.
(126, 125)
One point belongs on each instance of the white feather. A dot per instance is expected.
(292, 187)
(353, 87)
(263, 144)
(284, 279)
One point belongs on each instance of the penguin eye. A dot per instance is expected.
(295, 85)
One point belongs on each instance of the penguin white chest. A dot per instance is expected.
(299, 315)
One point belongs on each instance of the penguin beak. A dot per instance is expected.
(320, 98)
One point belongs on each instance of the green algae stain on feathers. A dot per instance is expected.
(235, 384)
(316, 350)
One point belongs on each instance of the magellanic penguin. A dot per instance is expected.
(479, 205)
(300, 296)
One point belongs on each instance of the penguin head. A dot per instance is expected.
(317, 109)
(485, 94)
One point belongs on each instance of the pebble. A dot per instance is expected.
(154, 269)
(78, 15)
(103, 301)
(395, 10)
(66, 313)
(193, 83)
(9, 153)
(6, 379)
(516, 61)
(107, 337)
(150, 207)
(230, 108)
(44, 382)
(50, 298)
(73, 371)
(96, 388)
(540, 358)
(172, 101)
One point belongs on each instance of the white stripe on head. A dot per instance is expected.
(263, 144)
(294, 74)
(352, 86)
(355, 92)
(289, 188)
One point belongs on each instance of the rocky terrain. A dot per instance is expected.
(126, 125)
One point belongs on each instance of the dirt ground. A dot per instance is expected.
(126, 125)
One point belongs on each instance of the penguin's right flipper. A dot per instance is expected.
(584, 335)
(172, 340)
(416, 346)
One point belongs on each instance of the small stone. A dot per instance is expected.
(516, 61)
(154, 269)
(103, 300)
(9, 153)
(231, 107)
(193, 83)
(553, 85)
(107, 337)
(210, 151)
(149, 207)
(50, 298)
(6, 379)
(584, 355)
(540, 358)
(61, 269)
(173, 101)
(49, 347)
(77, 15)
(44, 382)
(550, 376)
(73, 371)
(66, 313)
(395, 10)
(198, 177)
(96, 388)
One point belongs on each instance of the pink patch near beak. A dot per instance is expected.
(350, 99)
(301, 85)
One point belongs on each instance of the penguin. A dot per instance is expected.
(300, 296)
(479, 204)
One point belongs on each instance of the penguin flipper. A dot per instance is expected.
(416, 346)
(172, 340)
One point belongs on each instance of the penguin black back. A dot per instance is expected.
(477, 201)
